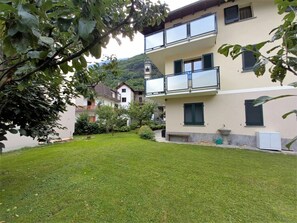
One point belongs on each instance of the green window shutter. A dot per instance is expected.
(231, 14)
(248, 60)
(198, 113)
(207, 61)
(253, 115)
(194, 114)
(188, 117)
(178, 66)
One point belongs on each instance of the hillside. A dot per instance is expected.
(131, 72)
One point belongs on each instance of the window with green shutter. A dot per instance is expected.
(253, 115)
(193, 114)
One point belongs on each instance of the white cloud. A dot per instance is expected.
(131, 48)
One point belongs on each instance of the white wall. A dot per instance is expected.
(15, 141)
(129, 95)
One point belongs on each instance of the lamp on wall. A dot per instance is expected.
(147, 69)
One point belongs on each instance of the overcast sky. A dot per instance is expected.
(129, 49)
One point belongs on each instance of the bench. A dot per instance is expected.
(182, 135)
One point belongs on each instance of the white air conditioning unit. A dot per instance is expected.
(269, 140)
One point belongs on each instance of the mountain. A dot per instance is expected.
(131, 72)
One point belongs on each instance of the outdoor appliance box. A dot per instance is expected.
(269, 140)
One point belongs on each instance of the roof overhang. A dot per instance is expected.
(184, 11)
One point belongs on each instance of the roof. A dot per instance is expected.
(104, 91)
(184, 11)
(122, 84)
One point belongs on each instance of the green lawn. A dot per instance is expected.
(122, 178)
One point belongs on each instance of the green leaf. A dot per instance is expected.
(260, 68)
(21, 87)
(290, 16)
(2, 138)
(26, 18)
(294, 84)
(224, 49)
(64, 67)
(76, 64)
(83, 61)
(6, 7)
(85, 27)
(96, 51)
(23, 132)
(34, 54)
(291, 143)
(269, 51)
(47, 40)
(8, 49)
(64, 24)
(263, 99)
(289, 113)
(13, 131)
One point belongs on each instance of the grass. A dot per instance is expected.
(122, 178)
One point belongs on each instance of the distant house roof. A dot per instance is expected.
(104, 91)
(122, 84)
(184, 11)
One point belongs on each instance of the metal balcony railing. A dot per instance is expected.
(196, 80)
(193, 29)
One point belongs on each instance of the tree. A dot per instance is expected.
(141, 112)
(281, 57)
(110, 117)
(42, 41)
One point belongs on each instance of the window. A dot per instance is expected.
(248, 60)
(205, 62)
(235, 13)
(245, 12)
(193, 65)
(253, 115)
(124, 99)
(178, 66)
(193, 114)
(123, 90)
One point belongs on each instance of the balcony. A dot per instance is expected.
(195, 35)
(199, 82)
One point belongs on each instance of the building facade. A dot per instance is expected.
(204, 91)
(104, 96)
(129, 95)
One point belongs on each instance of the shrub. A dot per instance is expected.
(155, 126)
(84, 127)
(145, 132)
(122, 129)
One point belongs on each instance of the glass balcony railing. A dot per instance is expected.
(193, 29)
(177, 33)
(154, 86)
(179, 82)
(196, 80)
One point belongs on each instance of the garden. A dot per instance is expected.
(123, 178)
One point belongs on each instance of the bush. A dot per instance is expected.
(84, 127)
(155, 126)
(122, 129)
(145, 132)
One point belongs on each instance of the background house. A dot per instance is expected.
(130, 95)
(204, 91)
(104, 96)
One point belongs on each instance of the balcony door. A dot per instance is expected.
(190, 66)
